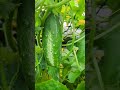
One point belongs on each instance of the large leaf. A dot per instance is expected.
(50, 85)
(81, 86)
(53, 72)
(73, 75)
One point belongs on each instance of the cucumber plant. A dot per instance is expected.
(55, 61)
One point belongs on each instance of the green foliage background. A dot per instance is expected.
(102, 45)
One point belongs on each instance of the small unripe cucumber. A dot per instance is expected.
(52, 40)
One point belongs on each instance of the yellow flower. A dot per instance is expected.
(81, 22)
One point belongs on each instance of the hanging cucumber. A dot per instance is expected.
(52, 40)
(52, 43)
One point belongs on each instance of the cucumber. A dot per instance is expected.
(52, 40)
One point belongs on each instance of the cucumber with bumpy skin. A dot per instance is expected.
(52, 40)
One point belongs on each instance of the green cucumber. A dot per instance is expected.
(52, 40)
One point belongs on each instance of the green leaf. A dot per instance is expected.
(53, 72)
(37, 3)
(50, 85)
(81, 86)
(73, 75)
(49, 2)
(37, 19)
(74, 4)
(81, 51)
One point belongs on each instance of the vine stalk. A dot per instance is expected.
(91, 43)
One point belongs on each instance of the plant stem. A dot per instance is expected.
(106, 32)
(14, 78)
(92, 32)
(45, 16)
(39, 3)
(74, 41)
(76, 59)
(98, 73)
(91, 43)
(58, 4)
(8, 32)
(3, 77)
